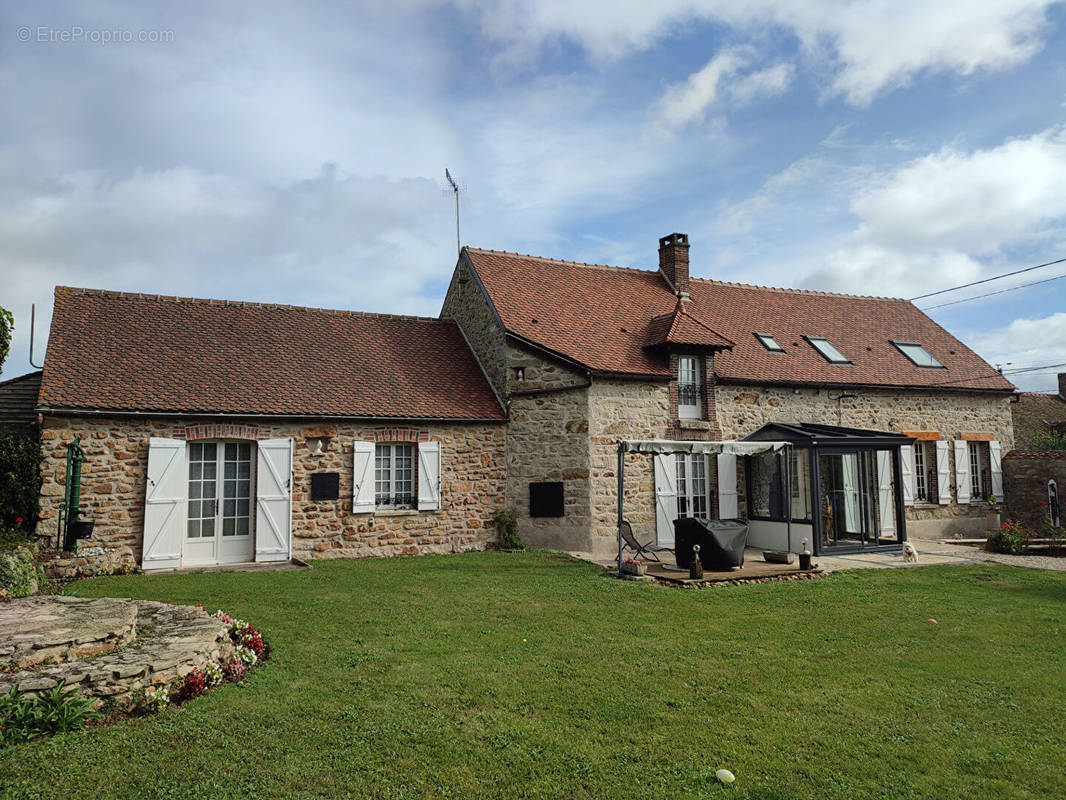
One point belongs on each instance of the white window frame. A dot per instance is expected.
(393, 476)
(977, 487)
(691, 474)
(688, 374)
(921, 476)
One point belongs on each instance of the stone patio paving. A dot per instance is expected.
(930, 551)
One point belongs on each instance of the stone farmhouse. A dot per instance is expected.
(585, 355)
(216, 431)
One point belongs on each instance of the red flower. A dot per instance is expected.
(195, 683)
(1043, 502)
(18, 520)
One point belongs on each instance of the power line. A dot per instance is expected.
(1018, 370)
(986, 280)
(989, 294)
(959, 382)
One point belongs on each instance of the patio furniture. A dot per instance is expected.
(649, 550)
(721, 542)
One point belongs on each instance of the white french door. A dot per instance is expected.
(218, 527)
(691, 485)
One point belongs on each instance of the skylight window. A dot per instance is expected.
(825, 347)
(918, 354)
(769, 342)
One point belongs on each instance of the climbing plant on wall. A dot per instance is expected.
(7, 324)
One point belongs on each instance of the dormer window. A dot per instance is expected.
(918, 355)
(828, 351)
(769, 342)
(688, 387)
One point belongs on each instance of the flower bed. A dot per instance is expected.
(249, 650)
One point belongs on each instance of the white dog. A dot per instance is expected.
(910, 553)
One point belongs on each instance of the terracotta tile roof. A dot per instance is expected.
(135, 352)
(681, 328)
(601, 317)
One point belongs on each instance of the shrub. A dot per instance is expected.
(20, 574)
(1010, 538)
(156, 699)
(507, 525)
(20, 482)
(1054, 440)
(24, 717)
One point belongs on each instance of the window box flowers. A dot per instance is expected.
(633, 566)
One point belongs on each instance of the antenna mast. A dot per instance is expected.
(455, 188)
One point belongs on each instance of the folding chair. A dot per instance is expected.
(649, 550)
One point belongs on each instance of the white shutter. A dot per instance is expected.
(273, 500)
(363, 478)
(428, 476)
(665, 498)
(943, 473)
(885, 501)
(962, 471)
(727, 486)
(906, 468)
(996, 458)
(164, 504)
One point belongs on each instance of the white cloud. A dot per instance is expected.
(687, 102)
(924, 225)
(974, 201)
(868, 47)
(328, 240)
(768, 82)
(719, 80)
(1027, 343)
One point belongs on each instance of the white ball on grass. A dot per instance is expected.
(725, 776)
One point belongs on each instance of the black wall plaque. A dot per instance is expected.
(546, 499)
(325, 485)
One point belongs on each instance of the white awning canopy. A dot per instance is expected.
(730, 446)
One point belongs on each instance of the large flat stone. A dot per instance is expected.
(173, 640)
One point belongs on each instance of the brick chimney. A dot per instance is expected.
(673, 262)
(1062, 385)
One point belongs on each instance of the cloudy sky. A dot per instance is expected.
(294, 152)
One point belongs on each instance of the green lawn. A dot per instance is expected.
(501, 675)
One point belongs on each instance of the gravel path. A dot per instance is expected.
(1034, 562)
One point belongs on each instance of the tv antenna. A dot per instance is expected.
(455, 188)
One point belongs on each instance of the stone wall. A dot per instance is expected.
(1025, 483)
(113, 487)
(625, 410)
(467, 304)
(547, 440)
(743, 409)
